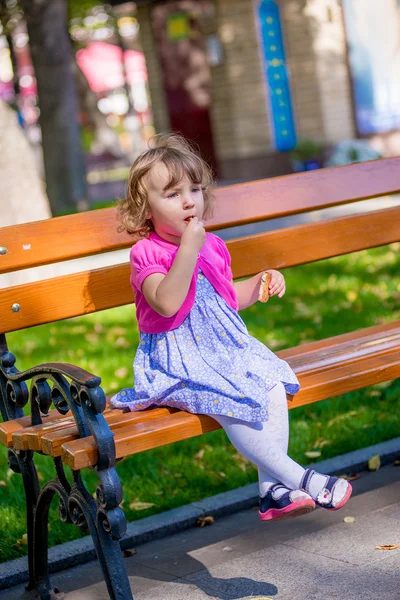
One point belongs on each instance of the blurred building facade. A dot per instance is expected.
(248, 79)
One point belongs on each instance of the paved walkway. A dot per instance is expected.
(315, 557)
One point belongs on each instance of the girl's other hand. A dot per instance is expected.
(277, 286)
(194, 235)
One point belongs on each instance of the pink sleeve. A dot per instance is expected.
(146, 258)
(223, 250)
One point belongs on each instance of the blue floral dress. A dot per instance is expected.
(209, 364)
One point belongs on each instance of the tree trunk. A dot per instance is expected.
(22, 197)
(51, 52)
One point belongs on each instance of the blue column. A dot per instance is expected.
(276, 76)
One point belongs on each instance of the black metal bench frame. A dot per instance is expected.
(103, 517)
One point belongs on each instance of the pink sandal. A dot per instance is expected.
(325, 496)
(285, 507)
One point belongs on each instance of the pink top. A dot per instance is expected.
(156, 255)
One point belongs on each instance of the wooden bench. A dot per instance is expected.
(82, 431)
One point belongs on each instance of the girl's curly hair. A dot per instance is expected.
(181, 159)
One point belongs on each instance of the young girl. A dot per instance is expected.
(195, 352)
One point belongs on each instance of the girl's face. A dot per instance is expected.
(171, 208)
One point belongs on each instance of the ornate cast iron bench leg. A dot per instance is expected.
(103, 517)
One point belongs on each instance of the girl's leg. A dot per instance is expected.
(278, 428)
(250, 441)
(265, 445)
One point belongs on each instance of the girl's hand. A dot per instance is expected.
(194, 235)
(277, 285)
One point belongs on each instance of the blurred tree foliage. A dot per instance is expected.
(79, 8)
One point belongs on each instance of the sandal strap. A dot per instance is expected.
(305, 482)
(268, 501)
(331, 483)
(277, 486)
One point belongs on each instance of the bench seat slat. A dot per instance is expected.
(14, 434)
(366, 334)
(20, 438)
(31, 438)
(83, 234)
(8, 428)
(347, 378)
(72, 295)
(345, 353)
(51, 441)
(141, 436)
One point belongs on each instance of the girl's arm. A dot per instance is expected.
(247, 290)
(167, 293)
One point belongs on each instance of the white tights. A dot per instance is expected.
(266, 443)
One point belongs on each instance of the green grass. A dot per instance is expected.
(323, 299)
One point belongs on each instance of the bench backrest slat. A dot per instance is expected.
(82, 293)
(74, 236)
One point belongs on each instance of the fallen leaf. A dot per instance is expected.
(342, 417)
(202, 521)
(23, 541)
(121, 342)
(77, 329)
(324, 443)
(92, 338)
(321, 442)
(349, 519)
(140, 505)
(115, 331)
(128, 553)
(121, 373)
(351, 295)
(374, 463)
(9, 473)
(388, 547)
(200, 454)
(351, 477)
(374, 394)
(312, 454)
(2, 483)
(221, 474)
(243, 463)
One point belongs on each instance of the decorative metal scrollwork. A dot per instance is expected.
(67, 388)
